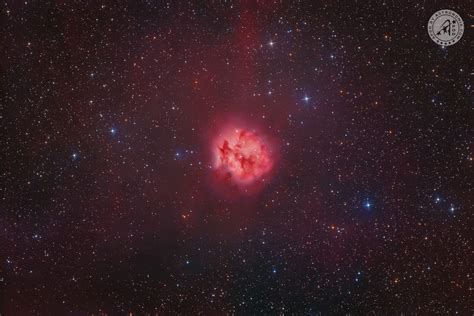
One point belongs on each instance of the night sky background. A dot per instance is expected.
(108, 203)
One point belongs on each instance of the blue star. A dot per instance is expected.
(367, 204)
(306, 99)
(113, 131)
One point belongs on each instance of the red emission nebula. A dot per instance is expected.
(242, 157)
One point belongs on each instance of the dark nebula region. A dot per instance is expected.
(234, 157)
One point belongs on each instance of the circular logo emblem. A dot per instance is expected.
(445, 27)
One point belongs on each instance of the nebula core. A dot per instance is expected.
(242, 156)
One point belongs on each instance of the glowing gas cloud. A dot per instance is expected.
(242, 156)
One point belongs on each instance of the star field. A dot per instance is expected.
(109, 197)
